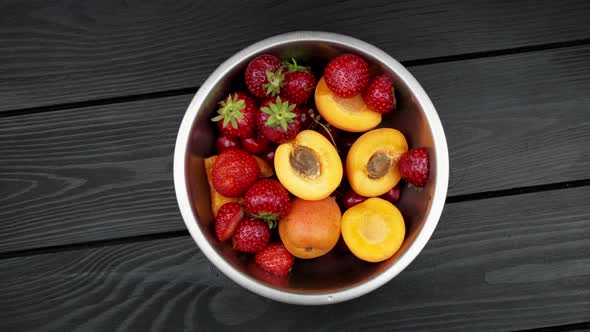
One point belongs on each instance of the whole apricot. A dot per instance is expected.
(312, 228)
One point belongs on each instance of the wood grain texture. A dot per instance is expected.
(106, 172)
(499, 264)
(84, 174)
(515, 120)
(63, 51)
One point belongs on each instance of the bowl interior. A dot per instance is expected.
(335, 271)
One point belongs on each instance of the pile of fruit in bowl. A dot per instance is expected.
(303, 167)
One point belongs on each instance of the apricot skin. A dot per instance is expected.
(312, 228)
(314, 187)
(383, 140)
(373, 230)
(350, 114)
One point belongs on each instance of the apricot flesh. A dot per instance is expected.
(371, 163)
(309, 166)
(312, 228)
(266, 170)
(350, 114)
(373, 230)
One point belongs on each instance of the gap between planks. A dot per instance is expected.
(192, 90)
(180, 233)
(561, 328)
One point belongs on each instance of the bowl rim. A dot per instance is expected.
(253, 285)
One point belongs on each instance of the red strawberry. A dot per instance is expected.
(267, 199)
(228, 218)
(256, 144)
(298, 84)
(251, 235)
(258, 72)
(234, 172)
(275, 258)
(413, 167)
(380, 95)
(392, 195)
(224, 142)
(347, 75)
(238, 112)
(278, 120)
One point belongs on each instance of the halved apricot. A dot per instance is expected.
(373, 230)
(350, 114)
(371, 164)
(308, 166)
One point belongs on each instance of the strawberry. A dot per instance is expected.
(380, 95)
(413, 167)
(224, 142)
(238, 112)
(260, 75)
(251, 235)
(275, 258)
(347, 75)
(278, 120)
(298, 83)
(256, 144)
(228, 218)
(234, 172)
(267, 199)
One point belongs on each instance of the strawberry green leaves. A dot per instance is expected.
(280, 113)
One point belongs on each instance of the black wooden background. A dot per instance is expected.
(91, 97)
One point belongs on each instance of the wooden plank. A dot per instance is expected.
(499, 264)
(64, 51)
(102, 172)
(515, 120)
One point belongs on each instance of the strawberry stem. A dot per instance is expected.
(328, 131)
(271, 219)
(230, 111)
(280, 113)
(275, 80)
(293, 66)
